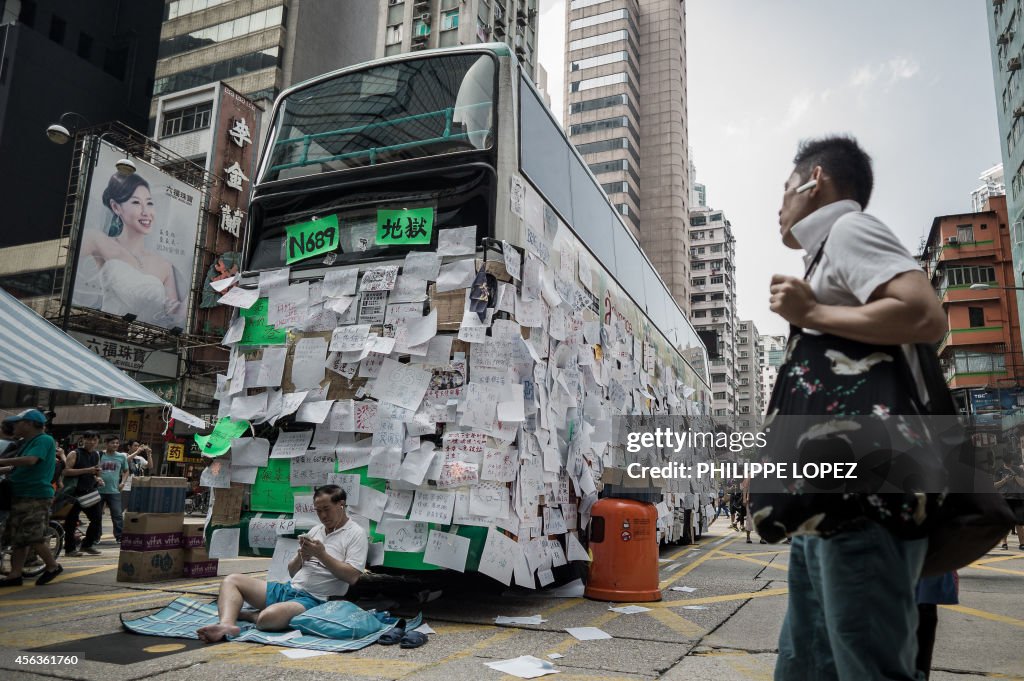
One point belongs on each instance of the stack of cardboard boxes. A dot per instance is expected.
(157, 544)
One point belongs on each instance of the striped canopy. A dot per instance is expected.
(35, 352)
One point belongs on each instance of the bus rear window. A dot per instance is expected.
(393, 112)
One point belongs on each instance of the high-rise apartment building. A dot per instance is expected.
(1007, 49)
(771, 351)
(260, 47)
(749, 393)
(713, 299)
(698, 192)
(992, 184)
(626, 102)
(410, 25)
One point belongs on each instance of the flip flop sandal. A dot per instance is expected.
(413, 639)
(393, 635)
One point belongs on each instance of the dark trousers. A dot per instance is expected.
(92, 535)
(927, 622)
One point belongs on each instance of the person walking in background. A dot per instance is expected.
(1010, 483)
(931, 593)
(81, 477)
(113, 472)
(31, 473)
(854, 562)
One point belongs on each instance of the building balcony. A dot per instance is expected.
(960, 250)
(979, 335)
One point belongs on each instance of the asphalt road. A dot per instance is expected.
(726, 629)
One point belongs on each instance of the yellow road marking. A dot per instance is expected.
(985, 615)
(760, 553)
(678, 574)
(124, 594)
(998, 559)
(995, 569)
(92, 611)
(499, 637)
(766, 593)
(63, 578)
(354, 666)
(676, 623)
(744, 557)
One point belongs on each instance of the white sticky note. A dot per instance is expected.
(405, 536)
(243, 474)
(308, 363)
(284, 550)
(381, 278)
(415, 465)
(340, 282)
(314, 412)
(243, 298)
(588, 633)
(457, 241)
(235, 331)
(401, 384)
(271, 368)
(349, 338)
(291, 444)
(456, 275)
(433, 507)
(221, 285)
(421, 265)
(446, 550)
(287, 305)
(371, 503)
(498, 558)
(274, 279)
(224, 543)
(575, 550)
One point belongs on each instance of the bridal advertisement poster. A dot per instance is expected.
(138, 243)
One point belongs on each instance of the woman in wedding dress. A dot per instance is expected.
(133, 279)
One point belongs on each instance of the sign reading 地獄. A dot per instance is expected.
(405, 226)
(306, 239)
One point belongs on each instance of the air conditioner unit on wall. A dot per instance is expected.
(953, 241)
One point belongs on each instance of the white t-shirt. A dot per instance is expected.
(348, 543)
(860, 254)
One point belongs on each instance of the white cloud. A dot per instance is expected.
(902, 68)
(889, 72)
(799, 105)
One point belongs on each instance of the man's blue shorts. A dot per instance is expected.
(278, 592)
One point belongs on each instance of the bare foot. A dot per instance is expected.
(217, 632)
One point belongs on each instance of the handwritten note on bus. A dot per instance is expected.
(257, 330)
(405, 226)
(307, 239)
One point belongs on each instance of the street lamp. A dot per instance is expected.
(58, 133)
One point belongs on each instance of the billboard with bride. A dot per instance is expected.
(137, 243)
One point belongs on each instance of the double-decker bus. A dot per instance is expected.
(452, 152)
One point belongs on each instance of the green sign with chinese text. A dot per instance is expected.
(407, 226)
(307, 239)
(257, 330)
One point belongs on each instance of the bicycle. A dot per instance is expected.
(34, 566)
(197, 503)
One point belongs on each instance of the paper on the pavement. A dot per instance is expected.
(573, 589)
(695, 607)
(630, 609)
(684, 589)
(588, 633)
(555, 656)
(524, 667)
(425, 629)
(303, 653)
(532, 619)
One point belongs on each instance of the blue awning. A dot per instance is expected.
(35, 352)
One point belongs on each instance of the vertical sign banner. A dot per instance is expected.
(137, 243)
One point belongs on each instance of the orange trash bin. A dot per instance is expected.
(624, 545)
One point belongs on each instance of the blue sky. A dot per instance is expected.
(912, 80)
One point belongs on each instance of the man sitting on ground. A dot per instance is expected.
(331, 557)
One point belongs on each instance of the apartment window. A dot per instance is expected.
(600, 81)
(420, 28)
(717, 279)
(715, 217)
(396, 14)
(976, 315)
(720, 396)
(717, 296)
(1017, 184)
(580, 4)
(84, 45)
(27, 13)
(964, 276)
(178, 8)
(187, 119)
(603, 103)
(602, 39)
(699, 281)
(604, 124)
(605, 145)
(698, 266)
(228, 30)
(58, 28)
(615, 15)
(623, 209)
(393, 35)
(698, 298)
(965, 233)
(221, 70)
(978, 362)
(450, 20)
(717, 248)
(600, 60)
(700, 314)
(698, 221)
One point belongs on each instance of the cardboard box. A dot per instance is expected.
(150, 566)
(227, 505)
(449, 305)
(199, 564)
(152, 531)
(192, 534)
(158, 495)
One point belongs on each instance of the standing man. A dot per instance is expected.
(852, 612)
(81, 477)
(30, 473)
(113, 471)
(331, 557)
